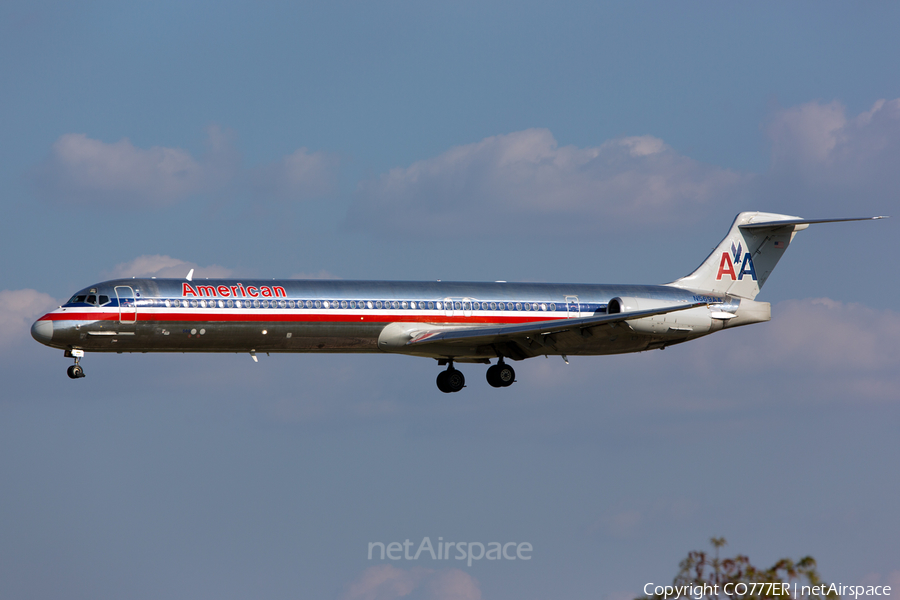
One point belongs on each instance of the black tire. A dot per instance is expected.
(493, 376)
(455, 380)
(442, 382)
(506, 375)
(71, 372)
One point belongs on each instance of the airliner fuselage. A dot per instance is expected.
(166, 315)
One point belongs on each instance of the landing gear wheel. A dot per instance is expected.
(493, 377)
(75, 371)
(442, 382)
(455, 380)
(501, 375)
(451, 380)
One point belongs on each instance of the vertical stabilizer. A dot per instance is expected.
(743, 261)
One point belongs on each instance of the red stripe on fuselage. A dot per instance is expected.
(253, 317)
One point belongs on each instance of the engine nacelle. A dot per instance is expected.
(677, 324)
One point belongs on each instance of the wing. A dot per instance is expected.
(518, 341)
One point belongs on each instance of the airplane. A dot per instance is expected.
(452, 322)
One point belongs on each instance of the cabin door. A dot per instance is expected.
(127, 308)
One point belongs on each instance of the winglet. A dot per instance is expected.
(190, 275)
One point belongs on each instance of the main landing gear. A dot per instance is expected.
(452, 380)
(501, 375)
(75, 371)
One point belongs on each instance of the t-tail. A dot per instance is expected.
(743, 261)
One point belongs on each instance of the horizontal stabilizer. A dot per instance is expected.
(786, 222)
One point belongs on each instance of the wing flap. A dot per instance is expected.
(540, 331)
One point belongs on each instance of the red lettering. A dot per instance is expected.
(206, 290)
(279, 292)
(266, 291)
(223, 290)
(243, 293)
(726, 267)
(234, 290)
(188, 290)
(252, 291)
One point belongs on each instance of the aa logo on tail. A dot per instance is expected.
(727, 264)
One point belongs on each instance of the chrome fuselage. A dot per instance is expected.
(218, 315)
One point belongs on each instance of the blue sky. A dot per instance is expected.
(588, 142)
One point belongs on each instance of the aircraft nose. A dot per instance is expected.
(42, 331)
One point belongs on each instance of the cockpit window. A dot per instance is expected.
(104, 300)
(77, 298)
(92, 299)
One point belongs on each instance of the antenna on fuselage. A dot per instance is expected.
(190, 275)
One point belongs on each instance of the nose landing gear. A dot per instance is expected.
(451, 380)
(75, 371)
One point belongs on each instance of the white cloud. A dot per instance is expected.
(830, 349)
(20, 309)
(158, 265)
(386, 582)
(526, 178)
(640, 516)
(823, 155)
(892, 579)
(86, 170)
(826, 336)
(89, 171)
(298, 175)
(452, 585)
